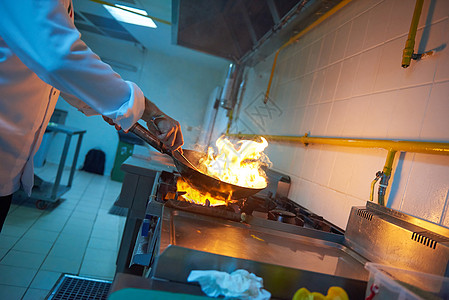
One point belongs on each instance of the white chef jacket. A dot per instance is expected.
(41, 54)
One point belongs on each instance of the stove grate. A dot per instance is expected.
(70, 287)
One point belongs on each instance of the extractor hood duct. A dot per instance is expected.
(242, 31)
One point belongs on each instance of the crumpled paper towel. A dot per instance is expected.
(239, 284)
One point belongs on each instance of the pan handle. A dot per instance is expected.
(150, 138)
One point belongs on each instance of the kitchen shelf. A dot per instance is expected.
(49, 192)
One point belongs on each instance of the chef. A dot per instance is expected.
(42, 57)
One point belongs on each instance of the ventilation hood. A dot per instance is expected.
(242, 31)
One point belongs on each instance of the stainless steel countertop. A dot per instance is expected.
(285, 260)
(154, 162)
(261, 244)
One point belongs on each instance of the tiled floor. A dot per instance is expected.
(77, 235)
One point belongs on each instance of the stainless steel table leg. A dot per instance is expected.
(61, 167)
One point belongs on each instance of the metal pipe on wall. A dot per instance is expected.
(392, 146)
(385, 177)
(233, 85)
(407, 54)
(396, 145)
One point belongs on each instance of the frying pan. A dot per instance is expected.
(188, 164)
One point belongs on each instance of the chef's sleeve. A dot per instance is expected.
(80, 105)
(43, 36)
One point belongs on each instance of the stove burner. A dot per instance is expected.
(278, 209)
(213, 211)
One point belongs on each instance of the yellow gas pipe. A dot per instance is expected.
(297, 36)
(385, 177)
(392, 146)
(396, 145)
(407, 54)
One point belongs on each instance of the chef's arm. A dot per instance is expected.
(167, 129)
(45, 39)
(43, 36)
(80, 105)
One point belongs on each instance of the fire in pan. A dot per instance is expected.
(188, 166)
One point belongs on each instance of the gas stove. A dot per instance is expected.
(266, 205)
(270, 236)
(263, 233)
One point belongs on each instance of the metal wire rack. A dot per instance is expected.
(71, 287)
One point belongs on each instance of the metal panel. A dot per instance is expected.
(390, 237)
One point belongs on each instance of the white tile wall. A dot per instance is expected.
(326, 50)
(310, 162)
(408, 111)
(427, 193)
(442, 72)
(317, 87)
(378, 117)
(321, 119)
(377, 23)
(357, 35)
(390, 74)
(305, 84)
(298, 160)
(436, 121)
(309, 118)
(277, 154)
(314, 55)
(439, 9)
(345, 79)
(337, 116)
(301, 62)
(330, 82)
(400, 24)
(341, 39)
(356, 111)
(323, 164)
(366, 73)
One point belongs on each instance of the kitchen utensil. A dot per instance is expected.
(188, 164)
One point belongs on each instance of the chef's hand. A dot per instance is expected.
(111, 122)
(165, 128)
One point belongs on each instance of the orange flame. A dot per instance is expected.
(195, 196)
(237, 166)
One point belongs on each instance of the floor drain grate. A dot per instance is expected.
(70, 287)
